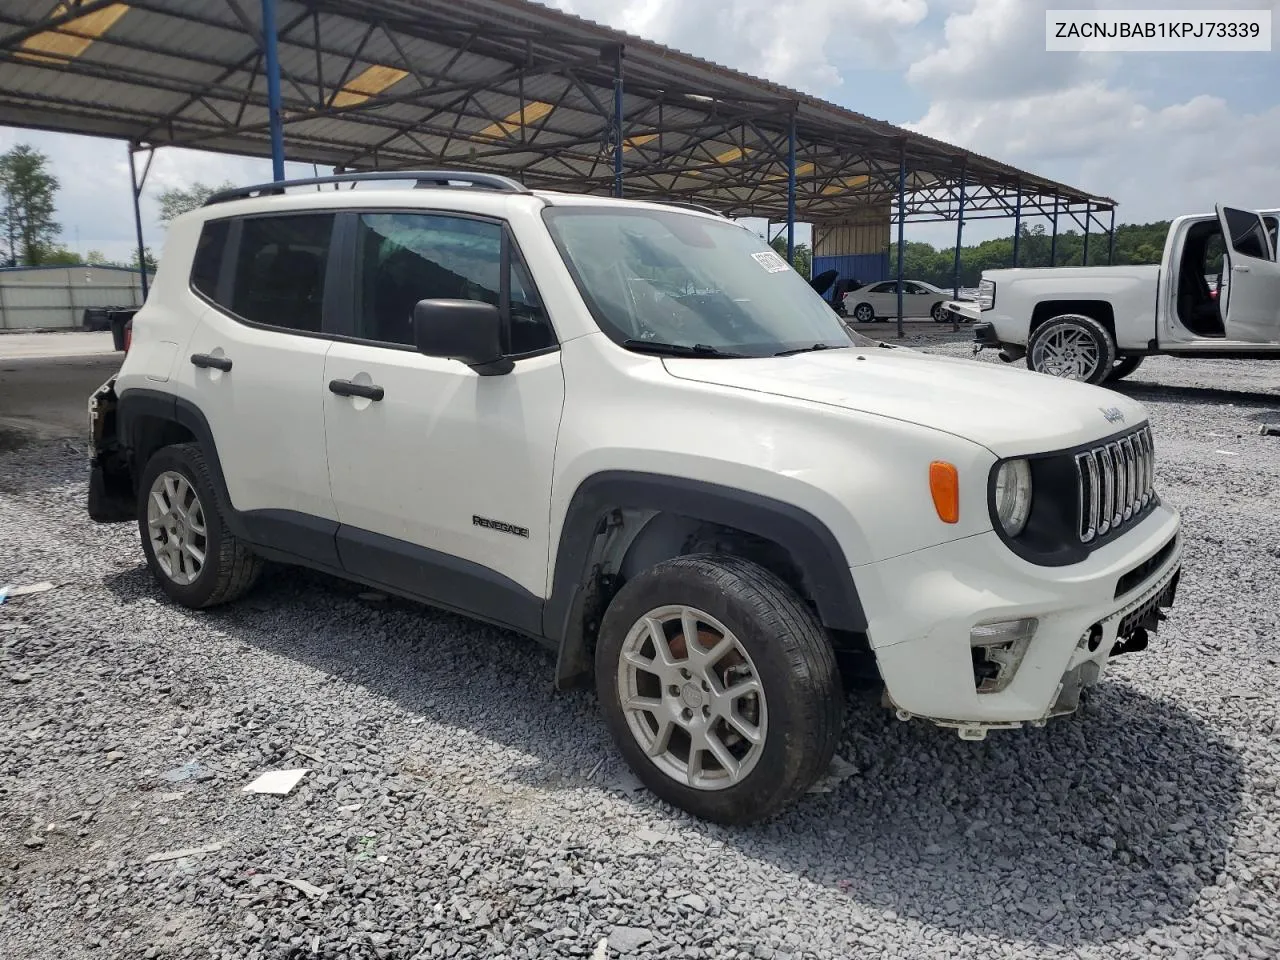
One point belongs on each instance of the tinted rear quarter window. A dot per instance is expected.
(206, 266)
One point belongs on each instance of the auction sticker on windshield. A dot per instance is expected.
(770, 261)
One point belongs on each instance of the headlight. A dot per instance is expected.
(1013, 495)
(987, 294)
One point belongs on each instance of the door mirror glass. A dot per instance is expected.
(466, 330)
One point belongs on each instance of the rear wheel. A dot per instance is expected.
(193, 556)
(1125, 366)
(939, 312)
(1074, 347)
(719, 687)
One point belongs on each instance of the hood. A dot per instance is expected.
(1009, 410)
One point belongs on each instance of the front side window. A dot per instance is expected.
(403, 258)
(1248, 235)
(280, 270)
(711, 287)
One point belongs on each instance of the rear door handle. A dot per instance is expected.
(345, 388)
(205, 360)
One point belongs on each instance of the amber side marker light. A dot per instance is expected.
(944, 484)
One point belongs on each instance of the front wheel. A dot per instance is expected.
(191, 553)
(719, 687)
(864, 313)
(1074, 347)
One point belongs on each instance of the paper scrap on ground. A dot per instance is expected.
(277, 781)
(9, 590)
(601, 952)
(184, 852)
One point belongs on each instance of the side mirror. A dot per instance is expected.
(465, 330)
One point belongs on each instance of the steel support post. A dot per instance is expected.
(1017, 225)
(136, 184)
(1053, 239)
(618, 145)
(902, 223)
(271, 55)
(955, 269)
(1088, 216)
(791, 190)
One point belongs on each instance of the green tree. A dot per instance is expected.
(62, 257)
(804, 256)
(96, 257)
(151, 260)
(27, 201)
(1136, 243)
(176, 201)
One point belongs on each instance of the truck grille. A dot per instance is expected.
(1115, 482)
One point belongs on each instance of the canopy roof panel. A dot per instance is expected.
(505, 86)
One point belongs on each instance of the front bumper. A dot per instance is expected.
(922, 606)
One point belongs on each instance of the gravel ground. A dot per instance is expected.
(457, 807)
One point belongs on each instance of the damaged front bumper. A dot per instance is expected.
(111, 497)
(983, 640)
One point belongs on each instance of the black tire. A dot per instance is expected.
(230, 568)
(1125, 366)
(864, 313)
(938, 312)
(793, 661)
(1084, 328)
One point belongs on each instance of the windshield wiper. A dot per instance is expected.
(678, 349)
(810, 349)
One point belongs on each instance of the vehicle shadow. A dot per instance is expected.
(1140, 390)
(1090, 830)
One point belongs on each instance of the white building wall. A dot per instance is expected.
(56, 297)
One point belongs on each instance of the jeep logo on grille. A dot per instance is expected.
(1112, 414)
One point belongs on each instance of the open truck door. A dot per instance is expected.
(1249, 287)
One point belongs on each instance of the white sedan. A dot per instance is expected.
(879, 301)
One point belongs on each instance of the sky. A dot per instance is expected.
(1163, 133)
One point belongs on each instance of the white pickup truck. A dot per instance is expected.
(1098, 323)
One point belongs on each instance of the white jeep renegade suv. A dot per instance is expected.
(633, 433)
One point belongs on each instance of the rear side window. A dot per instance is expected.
(280, 270)
(206, 267)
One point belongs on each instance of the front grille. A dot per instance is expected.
(1115, 483)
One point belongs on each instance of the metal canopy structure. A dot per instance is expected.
(505, 86)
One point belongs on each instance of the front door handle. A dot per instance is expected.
(345, 388)
(205, 360)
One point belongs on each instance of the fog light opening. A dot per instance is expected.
(997, 650)
(1095, 638)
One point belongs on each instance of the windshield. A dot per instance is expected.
(665, 278)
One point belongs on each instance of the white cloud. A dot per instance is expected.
(993, 89)
(792, 42)
(995, 50)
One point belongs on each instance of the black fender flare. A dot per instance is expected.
(810, 543)
(133, 405)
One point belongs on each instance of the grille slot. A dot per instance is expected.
(1115, 483)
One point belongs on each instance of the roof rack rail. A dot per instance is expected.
(423, 178)
(690, 206)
